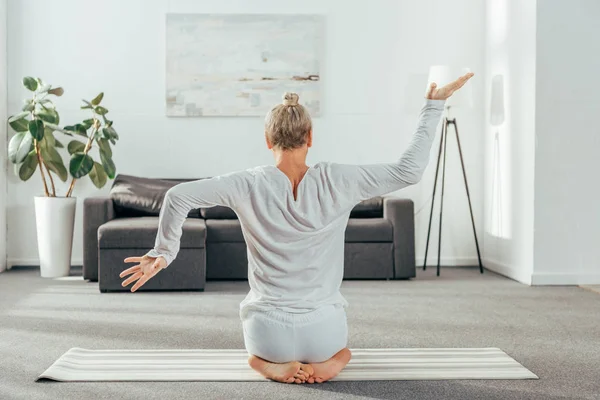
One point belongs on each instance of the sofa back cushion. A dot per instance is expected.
(134, 196)
(218, 212)
(372, 208)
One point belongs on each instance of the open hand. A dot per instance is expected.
(435, 93)
(146, 269)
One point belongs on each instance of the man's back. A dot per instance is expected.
(295, 245)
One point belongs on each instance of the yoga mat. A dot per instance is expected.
(81, 365)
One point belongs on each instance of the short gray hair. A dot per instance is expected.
(287, 124)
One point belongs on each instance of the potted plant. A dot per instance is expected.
(34, 147)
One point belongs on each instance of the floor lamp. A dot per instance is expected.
(463, 98)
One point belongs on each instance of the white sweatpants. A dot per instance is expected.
(311, 337)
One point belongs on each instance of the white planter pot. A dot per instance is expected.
(55, 220)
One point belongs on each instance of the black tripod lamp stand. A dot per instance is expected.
(442, 75)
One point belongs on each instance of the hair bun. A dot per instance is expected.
(290, 99)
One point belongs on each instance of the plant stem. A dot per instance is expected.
(51, 181)
(41, 164)
(87, 148)
(37, 152)
(71, 187)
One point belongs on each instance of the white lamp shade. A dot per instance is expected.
(497, 101)
(442, 75)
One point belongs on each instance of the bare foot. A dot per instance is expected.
(331, 368)
(291, 372)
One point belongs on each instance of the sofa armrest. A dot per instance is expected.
(96, 211)
(400, 212)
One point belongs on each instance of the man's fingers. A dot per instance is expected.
(130, 271)
(133, 259)
(140, 282)
(132, 278)
(460, 82)
(431, 89)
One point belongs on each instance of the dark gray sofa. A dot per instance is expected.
(379, 241)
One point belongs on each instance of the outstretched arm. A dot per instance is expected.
(226, 190)
(363, 182)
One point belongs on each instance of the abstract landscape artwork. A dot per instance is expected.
(240, 65)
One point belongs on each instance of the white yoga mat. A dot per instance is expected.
(79, 365)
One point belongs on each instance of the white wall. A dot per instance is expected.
(509, 161)
(3, 149)
(567, 166)
(374, 74)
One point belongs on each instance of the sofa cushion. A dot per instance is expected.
(218, 212)
(140, 233)
(372, 208)
(134, 196)
(369, 230)
(223, 230)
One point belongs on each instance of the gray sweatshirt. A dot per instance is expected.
(296, 246)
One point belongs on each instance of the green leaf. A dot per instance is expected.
(77, 128)
(49, 139)
(36, 128)
(88, 104)
(49, 153)
(75, 146)
(49, 115)
(18, 116)
(98, 99)
(108, 164)
(30, 84)
(57, 91)
(20, 125)
(101, 110)
(59, 144)
(80, 165)
(19, 146)
(47, 104)
(88, 123)
(105, 147)
(110, 133)
(98, 175)
(58, 168)
(58, 128)
(43, 88)
(29, 166)
(28, 106)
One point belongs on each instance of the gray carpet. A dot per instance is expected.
(553, 331)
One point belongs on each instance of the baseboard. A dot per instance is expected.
(560, 279)
(449, 261)
(507, 271)
(35, 262)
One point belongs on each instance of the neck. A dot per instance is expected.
(291, 161)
